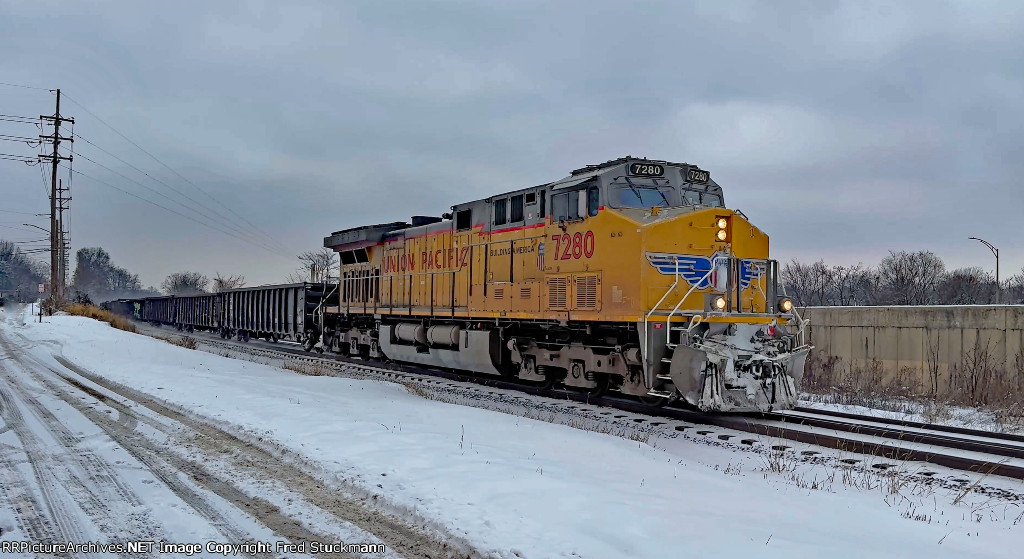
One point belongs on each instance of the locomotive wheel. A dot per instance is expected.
(274, 338)
(603, 383)
(309, 342)
(245, 336)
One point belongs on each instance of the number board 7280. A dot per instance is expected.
(647, 169)
(697, 175)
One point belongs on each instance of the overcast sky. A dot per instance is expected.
(843, 130)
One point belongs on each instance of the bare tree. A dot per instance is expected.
(1013, 289)
(19, 273)
(910, 278)
(97, 278)
(819, 284)
(807, 284)
(852, 285)
(221, 283)
(966, 286)
(185, 283)
(316, 265)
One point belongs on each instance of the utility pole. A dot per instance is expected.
(56, 225)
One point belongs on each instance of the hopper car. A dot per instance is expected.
(272, 312)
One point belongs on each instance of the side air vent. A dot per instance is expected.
(525, 292)
(586, 292)
(558, 293)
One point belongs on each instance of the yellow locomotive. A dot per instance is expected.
(630, 275)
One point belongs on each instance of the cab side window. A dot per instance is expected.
(463, 220)
(517, 208)
(560, 207)
(575, 204)
(500, 211)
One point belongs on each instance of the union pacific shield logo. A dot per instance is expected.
(695, 269)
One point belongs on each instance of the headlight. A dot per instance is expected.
(722, 235)
(785, 304)
(719, 303)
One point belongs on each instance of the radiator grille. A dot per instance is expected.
(558, 295)
(586, 292)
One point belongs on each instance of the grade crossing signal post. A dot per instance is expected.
(57, 206)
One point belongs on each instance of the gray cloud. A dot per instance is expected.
(843, 130)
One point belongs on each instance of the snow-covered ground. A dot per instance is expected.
(503, 485)
(953, 416)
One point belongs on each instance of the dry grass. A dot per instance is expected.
(187, 342)
(96, 313)
(980, 381)
(312, 369)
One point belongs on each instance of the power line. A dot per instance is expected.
(158, 193)
(228, 224)
(32, 142)
(252, 227)
(190, 218)
(29, 119)
(18, 228)
(22, 158)
(25, 86)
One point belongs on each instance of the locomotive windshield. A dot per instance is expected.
(644, 196)
(701, 198)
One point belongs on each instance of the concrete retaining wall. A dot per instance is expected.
(922, 343)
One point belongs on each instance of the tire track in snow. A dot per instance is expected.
(58, 506)
(96, 486)
(145, 452)
(396, 533)
(15, 490)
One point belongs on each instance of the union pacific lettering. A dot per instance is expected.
(441, 259)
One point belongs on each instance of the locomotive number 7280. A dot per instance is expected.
(578, 245)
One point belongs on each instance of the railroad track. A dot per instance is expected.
(954, 447)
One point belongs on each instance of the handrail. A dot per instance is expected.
(668, 319)
(647, 318)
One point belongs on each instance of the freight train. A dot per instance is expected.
(629, 276)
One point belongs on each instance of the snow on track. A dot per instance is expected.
(505, 485)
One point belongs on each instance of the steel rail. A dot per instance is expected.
(828, 433)
(914, 424)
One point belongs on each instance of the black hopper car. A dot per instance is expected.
(272, 312)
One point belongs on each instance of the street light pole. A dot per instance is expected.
(995, 251)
